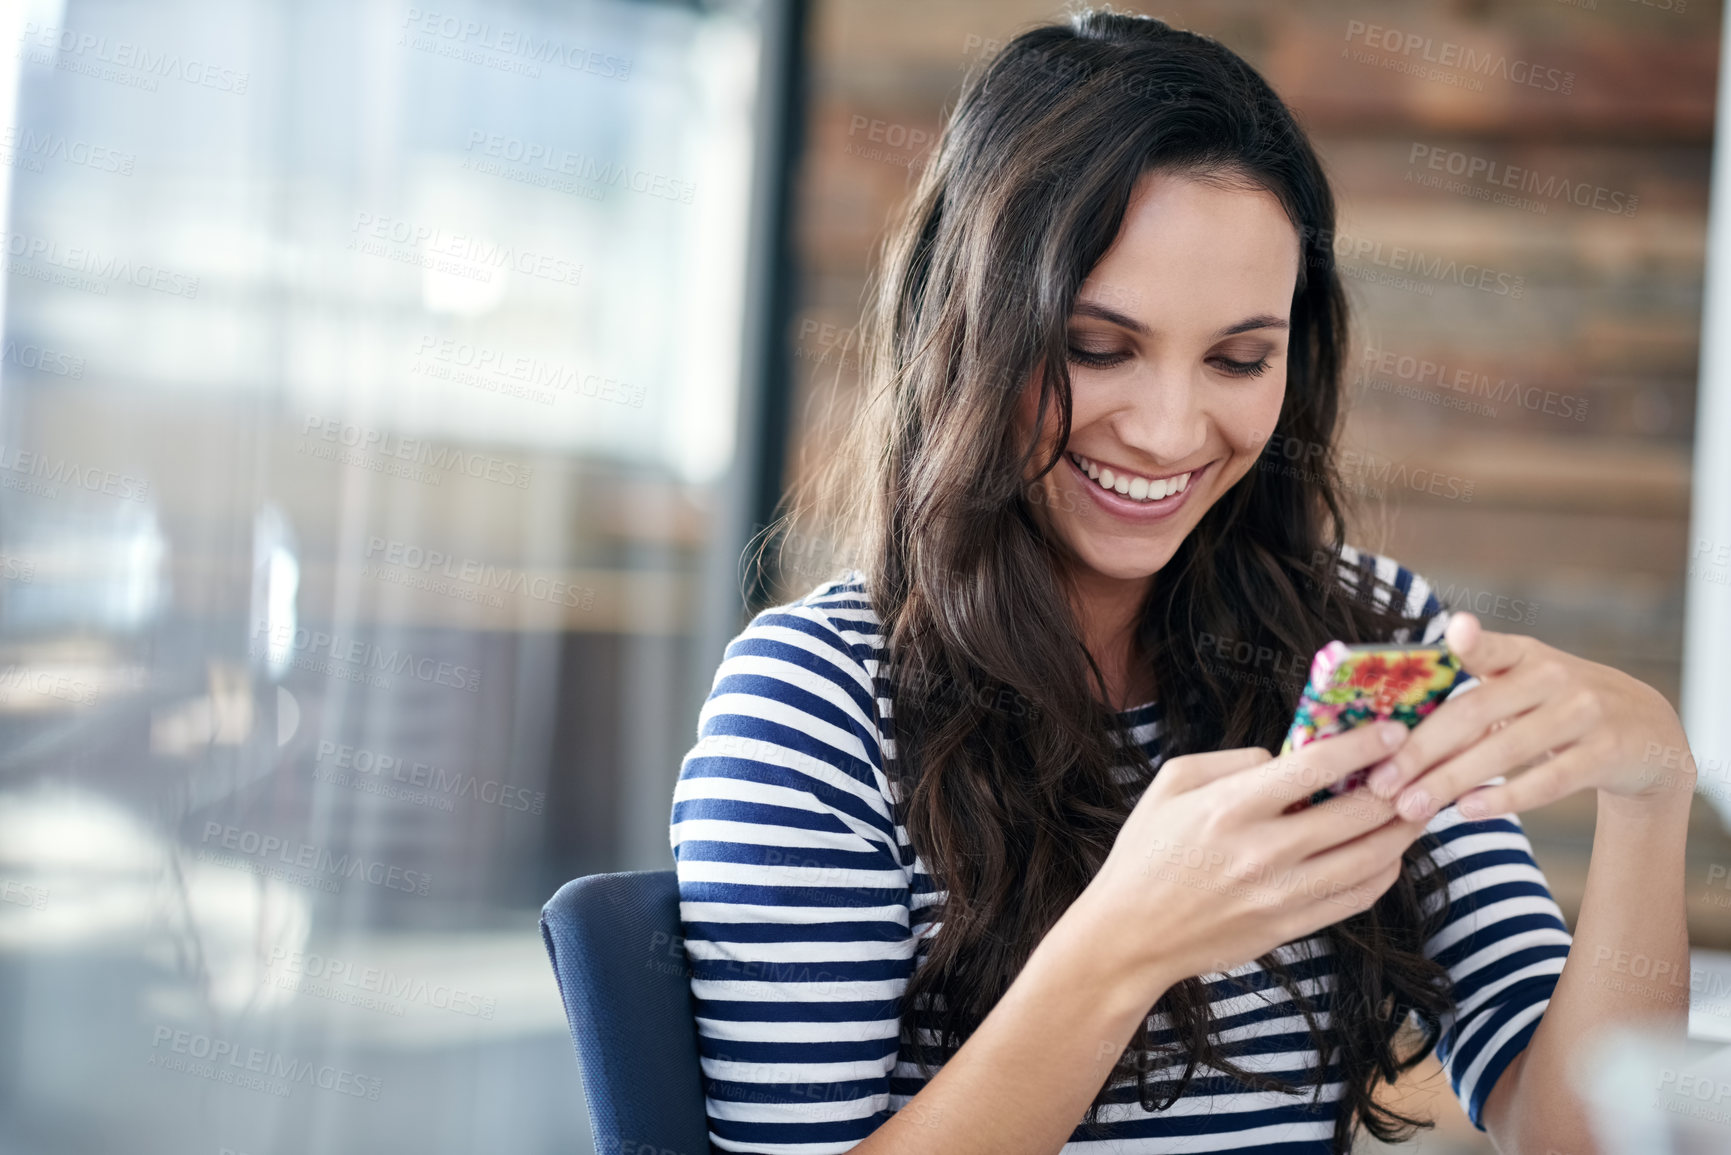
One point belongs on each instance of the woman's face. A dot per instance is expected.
(1178, 349)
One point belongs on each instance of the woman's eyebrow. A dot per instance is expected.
(1259, 321)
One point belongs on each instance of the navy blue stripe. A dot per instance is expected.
(749, 1011)
(1490, 935)
(761, 813)
(1493, 1071)
(1462, 1054)
(869, 943)
(846, 931)
(827, 1132)
(769, 894)
(834, 1051)
(752, 770)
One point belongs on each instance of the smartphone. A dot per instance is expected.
(1352, 685)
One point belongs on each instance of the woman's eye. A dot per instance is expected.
(1095, 360)
(1245, 368)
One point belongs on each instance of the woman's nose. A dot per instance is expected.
(1162, 417)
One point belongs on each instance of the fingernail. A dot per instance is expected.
(1392, 733)
(1476, 805)
(1414, 804)
(1382, 778)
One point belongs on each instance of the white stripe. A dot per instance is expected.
(1492, 990)
(859, 629)
(791, 1072)
(762, 1148)
(1246, 1140)
(832, 658)
(817, 953)
(751, 991)
(786, 714)
(844, 1031)
(801, 1110)
(1509, 1030)
(747, 913)
(1470, 924)
(751, 873)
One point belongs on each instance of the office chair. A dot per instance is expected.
(617, 951)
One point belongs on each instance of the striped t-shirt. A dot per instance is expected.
(803, 902)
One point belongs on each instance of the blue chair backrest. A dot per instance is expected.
(618, 951)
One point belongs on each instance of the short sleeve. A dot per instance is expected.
(1504, 945)
(1505, 941)
(792, 892)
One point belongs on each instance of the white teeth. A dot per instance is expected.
(1135, 488)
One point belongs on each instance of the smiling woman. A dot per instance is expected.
(1169, 409)
(1008, 866)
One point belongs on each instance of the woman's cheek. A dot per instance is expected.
(1049, 499)
(1276, 395)
(1250, 427)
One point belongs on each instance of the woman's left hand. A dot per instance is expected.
(1576, 724)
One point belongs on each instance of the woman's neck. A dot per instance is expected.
(1107, 610)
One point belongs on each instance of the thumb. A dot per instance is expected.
(1480, 651)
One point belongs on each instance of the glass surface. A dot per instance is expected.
(368, 402)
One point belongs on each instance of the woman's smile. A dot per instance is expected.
(1134, 497)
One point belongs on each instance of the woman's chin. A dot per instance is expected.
(1116, 560)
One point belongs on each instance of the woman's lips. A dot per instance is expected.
(1129, 509)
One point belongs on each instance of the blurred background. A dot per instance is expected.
(389, 394)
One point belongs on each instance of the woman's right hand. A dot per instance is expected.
(1208, 873)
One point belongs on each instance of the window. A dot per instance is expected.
(375, 410)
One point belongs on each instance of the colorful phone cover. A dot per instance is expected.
(1352, 685)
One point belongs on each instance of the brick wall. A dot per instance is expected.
(1552, 371)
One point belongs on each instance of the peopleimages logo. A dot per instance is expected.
(1421, 372)
(1494, 172)
(495, 370)
(1419, 263)
(23, 894)
(363, 655)
(1430, 58)
(47, 683)
(472, 40)
(403, 557)
(425, 776)
(85, 51)
(227, 1062)
(41, 146)
(583, 168)
(42, 360)
(386, 444)
(51, 473)
(104, 267)
(306, 856)
(464, 247)
(321, 971)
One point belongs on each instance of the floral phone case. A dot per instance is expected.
(1352, 685)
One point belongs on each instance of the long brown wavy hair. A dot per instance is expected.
(1004, 747)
